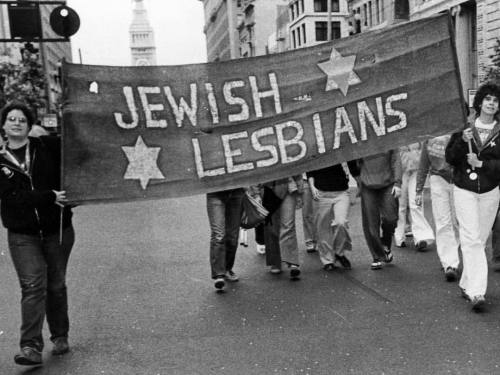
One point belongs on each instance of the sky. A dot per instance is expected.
(103, 37)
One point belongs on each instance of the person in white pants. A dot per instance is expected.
(423, 235)
(474, 154)
(433, 164)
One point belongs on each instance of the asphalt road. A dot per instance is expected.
(142, 302)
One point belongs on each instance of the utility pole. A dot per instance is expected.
(329, 20)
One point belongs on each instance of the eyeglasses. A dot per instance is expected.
(22, 120)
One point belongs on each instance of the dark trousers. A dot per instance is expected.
(41, 264)
(224, 216)
(272, 240)
(379, 211)
(259, 234)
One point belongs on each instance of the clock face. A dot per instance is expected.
(142, 62)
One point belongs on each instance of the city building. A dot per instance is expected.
(476, 25)
(309, 21)
(279, 40)
(221, 17)
(142, 40)
(9, 52)
(255, 23)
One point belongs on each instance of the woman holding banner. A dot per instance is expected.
(474, 154)
(39, 243)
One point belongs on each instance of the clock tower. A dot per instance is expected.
(142, 40)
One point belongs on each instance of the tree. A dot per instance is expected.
(493, 73)
(24, 82)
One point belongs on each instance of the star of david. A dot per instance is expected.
(339, 71)
(142, 163)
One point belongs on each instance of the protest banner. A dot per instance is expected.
(165, 131)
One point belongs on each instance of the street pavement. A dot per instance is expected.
(142, 303)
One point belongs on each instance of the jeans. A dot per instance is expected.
(445, 220)
(41, 264)
(379, 210)
(224, 216)
(308, 218)
(331, 224)
(475, 214)
(281, 237)
(420, 228)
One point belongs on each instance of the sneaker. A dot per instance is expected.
(219, 283)
(388, 255)
(311, 249)
(477, 302)
(464, 294)
(342, 259)
(294, 272)
(61, 346)
(402, 244)
(376, 265)
(329, 267)
(451, 274)
(231, 276)
(28, 356)
(261, 249)
(275, 270)
(421, 245)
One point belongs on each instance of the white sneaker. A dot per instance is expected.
(231, 276)
(219, 283)
(261, 249)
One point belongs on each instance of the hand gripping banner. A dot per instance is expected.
(165, 131)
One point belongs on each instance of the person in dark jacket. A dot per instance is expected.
(474, 154)
(379, 181)
(31, 204)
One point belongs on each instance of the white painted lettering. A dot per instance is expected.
(341, 116)
(183, 108)
(283, 143)
(318, 131)
(392, 112)
(149, 108)
(129, 97)
(234, 100)
(212, 103)
(257, 146)
(257, 96)
(200, 170)
(229, 153)
(364, 112)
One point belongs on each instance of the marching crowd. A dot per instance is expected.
(463, 170)
(463, 173)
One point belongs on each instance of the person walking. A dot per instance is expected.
(39, 243)
(423, 236)
(331, 202)
(224, 216)
(474, 154)
(281, 198)
(433, 164)
(379, 180)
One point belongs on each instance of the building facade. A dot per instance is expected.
(257, 24)
(142, 39)
(221, 17)
(309, 21)
(476, 25)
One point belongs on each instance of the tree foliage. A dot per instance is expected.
(24, 82)
(493, 73)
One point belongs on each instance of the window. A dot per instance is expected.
(370, 14)
(322, 5)
(299, 38)
(377, 11)
(294, 40)
(322, 32)
(304, 33)
(292, 11)
(301, 6)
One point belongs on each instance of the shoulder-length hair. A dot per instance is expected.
(483, 90)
